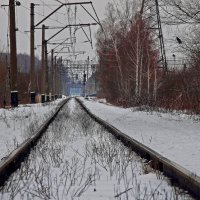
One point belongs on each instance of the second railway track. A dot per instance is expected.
(77, 158)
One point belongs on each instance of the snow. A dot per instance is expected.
(175, 136)
(78, 159)
(17, 124)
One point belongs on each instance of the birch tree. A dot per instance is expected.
(133, 52)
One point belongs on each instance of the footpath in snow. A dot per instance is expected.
(18, 124)
(175, 136)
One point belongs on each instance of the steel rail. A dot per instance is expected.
(13, 161)
(178, 174)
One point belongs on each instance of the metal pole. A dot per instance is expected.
(43, 65)
(88, 62)
(55, 77)
(52, 75)
(59, 76)
(43, 61)
(162, 45)
(32, 55)
(13, 55)
(142, 8)
(64, 4)
(46, 71)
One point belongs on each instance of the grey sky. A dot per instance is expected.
(23, 18)
(23, 23)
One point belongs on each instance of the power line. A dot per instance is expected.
(49, 6)
(43, 15)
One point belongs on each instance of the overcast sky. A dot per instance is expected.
(59, 19)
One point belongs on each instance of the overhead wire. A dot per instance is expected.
(68, 9)
(58, 1)
(75, 29)
(51, 19)
(50, 7)
(56, 20)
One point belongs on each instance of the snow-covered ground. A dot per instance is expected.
(77, 159)
(175, 136)
(17, 124)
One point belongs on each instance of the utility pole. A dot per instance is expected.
(52, 75)
(43, 66)
(7, 82)
(32, 55)
(59, 76)
(13, 55)
(88, 62)
(58, 67)
(55, 78)
(46, 71)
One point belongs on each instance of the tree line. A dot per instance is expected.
(129, 72)
(23, 78)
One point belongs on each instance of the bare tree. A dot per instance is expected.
(129, 40)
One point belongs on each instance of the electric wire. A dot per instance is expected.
(50, 7)
(51, 19)
(75, 29)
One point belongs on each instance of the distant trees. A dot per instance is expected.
(23, 78)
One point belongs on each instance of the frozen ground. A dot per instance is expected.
(18, 123)
(77, 159)
(175, 136)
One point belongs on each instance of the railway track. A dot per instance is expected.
(13, 161)
(179, 175)
(80, 152)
